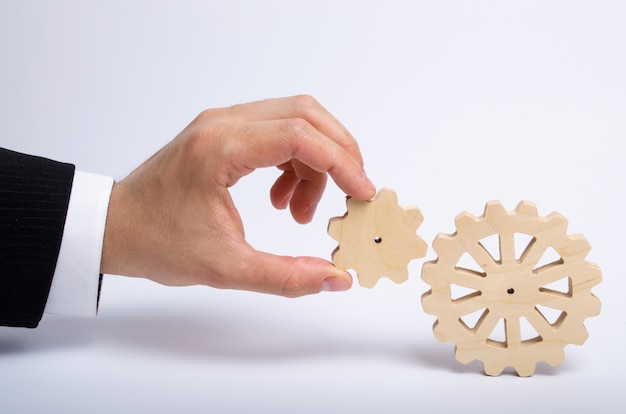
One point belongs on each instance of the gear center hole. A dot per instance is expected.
(510, 291)
(378, 239)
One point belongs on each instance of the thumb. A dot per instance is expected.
(297, 276)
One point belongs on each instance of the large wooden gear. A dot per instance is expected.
(509, 290)
(377, 238)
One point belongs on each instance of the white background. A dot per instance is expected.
(454, 103)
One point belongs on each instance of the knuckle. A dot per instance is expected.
(304, 101)
(208, 114)
(291, 288)
(296, 128)
(196, 140)
(203, 141)
(352, 146)
(230, 114)
(193, 145)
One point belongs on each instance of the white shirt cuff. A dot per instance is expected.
(75, 285)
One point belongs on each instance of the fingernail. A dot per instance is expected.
(334, 284)
(370, 184)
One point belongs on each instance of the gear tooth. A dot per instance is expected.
(527, 208)
(439, 332)
(335, 227)
(366, 281)
(575, 245)
(526, 370)
(578, 336)
(351, 201)
(494, 209)
(387, 194)
(435, 329)
(557, 223)
(465, 220)
(594, 270)
(493, 369)
(399, 276)
(556, 358)
(338, 259)
(420, 247)
(586, 304)
(432, 305)
(414, 215)
(429, 272)
(593, 305)
(463, 356)
(444, 243)
(429, 302)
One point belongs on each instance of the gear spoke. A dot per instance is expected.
(468, 278)
(485, 326)
(552, 273)
(507, 248)
(466, 305)
(513, 332)
(481, 256)
(541, 325)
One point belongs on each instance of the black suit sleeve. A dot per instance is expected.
(34, 197)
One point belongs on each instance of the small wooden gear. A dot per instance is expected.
(377, 238)
(513, 291)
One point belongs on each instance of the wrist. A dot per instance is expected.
(113, 235)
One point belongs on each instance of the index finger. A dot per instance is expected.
(271, 143)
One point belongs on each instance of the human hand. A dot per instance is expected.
(173, 220)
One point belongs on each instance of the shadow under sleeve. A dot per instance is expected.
(34, 197)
